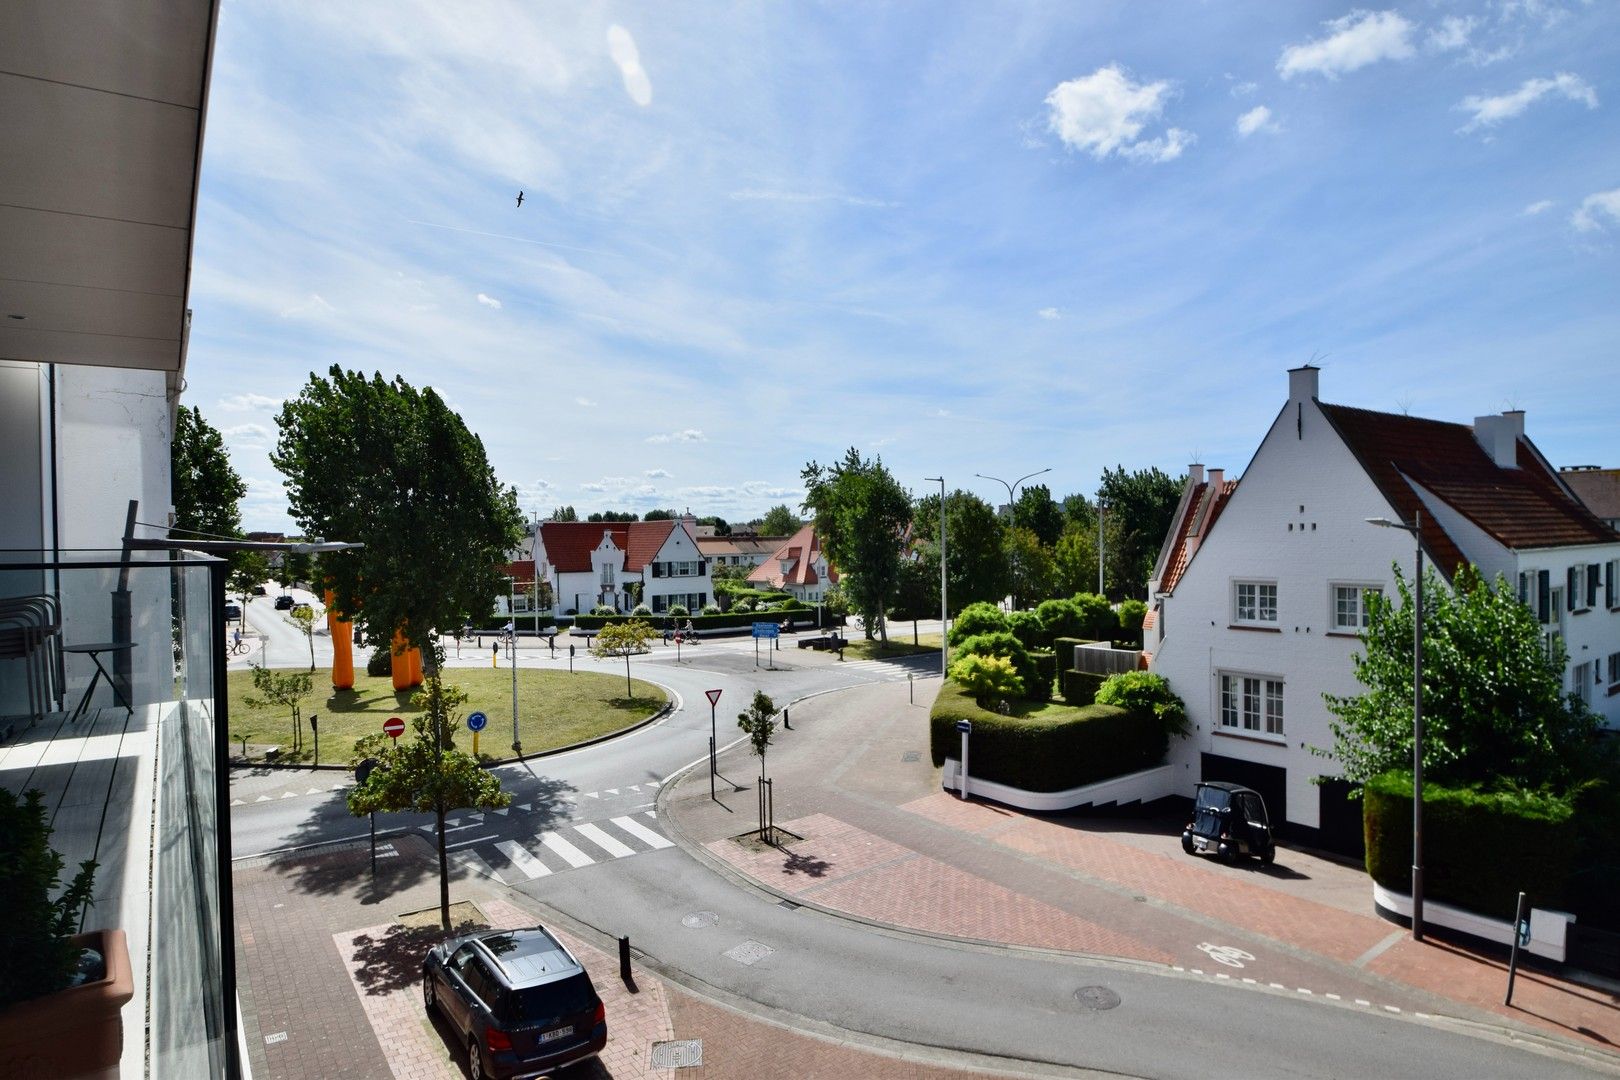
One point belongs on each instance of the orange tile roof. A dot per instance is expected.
(802, 547)
(1203, 508)
(569, 544)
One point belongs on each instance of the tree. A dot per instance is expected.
(612, 516)
(427, 772)
(759, 724)
(564, 513)
(1139, 506)
(918, 595)
(303, 616)
(205, 489)
(718, 524)
(780, 521)
(1034, 574)
(660, 515)
(284, 689)
(974, 545)
(622, 639)
(248, 569)
(1078, 510)
(987, 678)
(1075, 558)
(1036, 512)
(1097, 618)
(1494, 709)
(860, 513)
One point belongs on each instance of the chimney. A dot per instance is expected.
(1498, 436)
(1302, 383)
(1216, 478)
(1195, 474)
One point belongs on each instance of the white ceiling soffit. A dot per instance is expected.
(101, 106)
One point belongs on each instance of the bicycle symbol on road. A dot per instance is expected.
(1229, 955)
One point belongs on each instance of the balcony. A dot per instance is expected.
(112, 704)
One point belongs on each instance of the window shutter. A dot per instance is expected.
(703, 567)
(1524, 588)
(1569, 589)
(1609, 587)
(1544, 595)
(1592, 573)
(658, 569)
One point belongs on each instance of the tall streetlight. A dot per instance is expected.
(1012, 498)
(944, 644)
(1417, 719)
(1100, 507)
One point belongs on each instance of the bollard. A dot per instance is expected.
(785, 723)
(1521, 936)
(624, 959)
(911, 688)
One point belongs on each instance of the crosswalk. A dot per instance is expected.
(897, 669)
(552, 851)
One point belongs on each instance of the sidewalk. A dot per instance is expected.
(330, 982)
(873, 837)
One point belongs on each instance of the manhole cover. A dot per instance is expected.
(1096, 998)
(749, 952)
(699, 919)
(911, 755)
(677, 1054)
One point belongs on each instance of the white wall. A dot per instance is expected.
(23, 478)
(1589, 635)
(679, 546)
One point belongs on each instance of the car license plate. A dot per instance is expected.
(557, 1033)
(1201, 844)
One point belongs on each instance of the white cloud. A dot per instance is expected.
(1243, 89)
(781, 195)
(585, 403)
(1538, 207)
(1452, 33)
(657, 474)
(687, 435)
(245, 402)
(254, 433)
(1598, 205)
(622, 47)
(1104, 113)
(1256, 119)
(1050, 313)
(1353, 41)
(315, 305)
(489, 301)
(1489, 111)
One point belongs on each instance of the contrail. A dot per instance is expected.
(519, 239)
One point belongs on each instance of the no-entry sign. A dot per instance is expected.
(393, 727)
(713, 696)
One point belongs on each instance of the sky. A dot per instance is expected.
(970, 238)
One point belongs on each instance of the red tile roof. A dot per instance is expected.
(1523, 507)
(1203, 508)
(802, 547)
(1599, 489)
(568, 544)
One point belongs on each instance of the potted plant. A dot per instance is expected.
(61, 992)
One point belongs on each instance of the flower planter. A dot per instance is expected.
(77, 1032)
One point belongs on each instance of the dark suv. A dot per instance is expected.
(518, 998)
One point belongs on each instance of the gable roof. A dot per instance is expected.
(1599, 489)
(802, 548)
(1204, 505)
(1523, 507)
(569, 544)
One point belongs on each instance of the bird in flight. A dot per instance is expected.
(520, 199)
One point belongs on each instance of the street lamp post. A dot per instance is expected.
(944, 644)
(1417, 718)
(511, 615)
(1012, 497)
(1100, 507)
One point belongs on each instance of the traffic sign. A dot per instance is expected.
(713, 696)
(394, 727)
(476, 721)
(964, 726)
(767, 630)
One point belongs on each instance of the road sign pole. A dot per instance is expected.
(475, 745)
(373, 816)
(1521, 936)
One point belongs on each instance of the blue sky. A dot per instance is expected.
(968, 237)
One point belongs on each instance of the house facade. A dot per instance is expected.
(1260, 589)
(738, 549)
(1598, 488)
(614, 563)
(798, 567)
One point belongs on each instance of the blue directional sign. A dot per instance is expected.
(476, 721)
(767, 630)
(965, 726)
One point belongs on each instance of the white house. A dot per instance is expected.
(1258, 593)
(798, 567)
(591, 563)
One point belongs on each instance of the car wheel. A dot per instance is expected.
(475, 1061)
(1228, 856)
(1268, 856)
(1187, 844)
(428, 1001)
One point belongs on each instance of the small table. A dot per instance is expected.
(94, 650)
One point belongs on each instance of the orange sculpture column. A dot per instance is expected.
(401, 655)
(342, 632)
(416, 667)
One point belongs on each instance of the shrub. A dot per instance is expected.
(1144, 694)
(39, 958)
(987, 678)
(602, 609)
(1479, 848)
(641, 610)
(678, 611)
(1131, 614)
(1080, 687)
(1061, 618)
(980, 618)
(743, 607)
(710, 609)
(1046, 670)
(1046, 752)
(1004, 644)
(1026, 627)
(1064, 648)
(380, 663)
(571, 611)
(1097, 618)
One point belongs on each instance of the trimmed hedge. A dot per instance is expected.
(1026, 627)
(729, 621)
(1080, 687)
(1040, 754)
(1479, 848)
(1064, 648)
(1046, 670)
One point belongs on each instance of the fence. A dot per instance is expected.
(1101, 659)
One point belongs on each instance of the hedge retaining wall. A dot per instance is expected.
(1080, 687)
(700, 623)
(1096, 743)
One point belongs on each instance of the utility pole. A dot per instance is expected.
(944, 608)
(1100, 544)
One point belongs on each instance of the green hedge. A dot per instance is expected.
(1080, 687)
(1046, 670)
(497, 623)
(1064, 648)
(1045, 753)
(1479, 848)
(799, 619)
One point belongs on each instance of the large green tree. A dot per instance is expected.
(206, 490)
(1494, 709)
(1074, 559)
(1138, 508)
(779, 521)
(1036, 511)
(974, 546)
(860, 514)
(1034, 574)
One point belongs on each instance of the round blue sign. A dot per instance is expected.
(476, 721)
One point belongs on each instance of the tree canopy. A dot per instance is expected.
(382, 463)
(718, 524)
(206, 490)
(612, 515)
(977, 569)
(860, 513)
(564, 513)
(1493, 702)
(780, 521)
(1139, 508)
(1036, 511)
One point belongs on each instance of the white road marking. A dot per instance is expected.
(525, 862)
(237, 802)
(458, 828)
(468, 843)
(478, 866)
(612, 791)
(289, 794)
(314, 791)
(642, 833)
(502, 812)
(1333, 997)
(652, 813)
(1362, 1001)
(603, 841)
(525, 807)
(593, 794)
(575, 857)
(475, 817)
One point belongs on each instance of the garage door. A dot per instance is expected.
(1271, 781)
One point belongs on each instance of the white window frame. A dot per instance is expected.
(1361, 590)
(1251, 705)
(1578, 599)
(1614, 671)
(1611, 584)
(1582, 684)
(1258, 607)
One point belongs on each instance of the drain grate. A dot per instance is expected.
(911, 755)
(677, 1054)
(699, 919)
(749, 952)
(1096, 998)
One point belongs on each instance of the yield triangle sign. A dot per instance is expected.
(713, 696)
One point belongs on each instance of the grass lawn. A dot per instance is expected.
(899, 645)
(555, 709)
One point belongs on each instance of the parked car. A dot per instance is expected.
(232, 611)
(1229, 820)
(284, 602)
(258, 590)
(517, 999)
